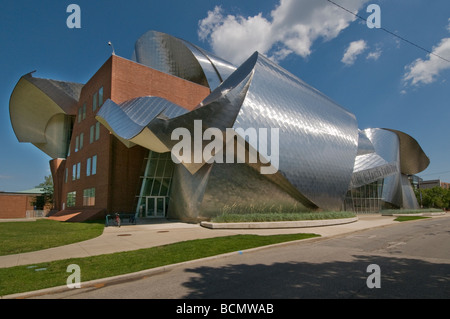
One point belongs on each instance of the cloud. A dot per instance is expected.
(292, 28)
(354, 49)
(426, 71)
(374, 55)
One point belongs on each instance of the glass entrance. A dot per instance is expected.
(156, 206)
(156, 180)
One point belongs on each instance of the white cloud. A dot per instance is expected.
(292, 28)
(354, 49)
(374, 55)
(426, 71)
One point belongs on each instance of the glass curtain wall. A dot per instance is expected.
(155, 182)
(366, 198)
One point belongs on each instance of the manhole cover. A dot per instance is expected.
(162, 231)
(124, 235)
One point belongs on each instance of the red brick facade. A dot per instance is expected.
(15, 205)
(117, 170)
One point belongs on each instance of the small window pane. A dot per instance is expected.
(92, 134)
(88, 167)
(84, 111)
(94, 165)
(100, 96)
(97, 131)
(78, 170)
(81, 140)
(94, 101)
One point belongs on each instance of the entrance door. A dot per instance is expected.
(156, 206)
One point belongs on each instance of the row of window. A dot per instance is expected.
(97, 101)
(88, 197)
(94, 135)
(91, 169)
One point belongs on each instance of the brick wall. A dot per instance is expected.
(15, 205)
(116, 181)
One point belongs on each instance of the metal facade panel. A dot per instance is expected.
(318, 138)
(183, 59)
(40, 112)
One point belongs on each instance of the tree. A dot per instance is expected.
(46, 199)
(436, 197)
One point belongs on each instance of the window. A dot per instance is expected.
(94, 101)
(94, 165)
(91, 166)
(97, 131)
(74, 172)
(66, 175)
(100, 96)
(77, 143)
(84, 111)
(92, 134)
(81, 140)
(78, 170)
(71, 197)
(89, 197)
(88, 167)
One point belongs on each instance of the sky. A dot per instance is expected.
(396, 76)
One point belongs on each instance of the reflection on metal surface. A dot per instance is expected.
(178, 57)
(42, 113)
(325, 162)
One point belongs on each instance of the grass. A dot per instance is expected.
(271, 217)
(410, 211)
(408, 218)
(23, 278)
(21, 237)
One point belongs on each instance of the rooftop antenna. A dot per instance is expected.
(111, 45)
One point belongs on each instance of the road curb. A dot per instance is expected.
(281, 224)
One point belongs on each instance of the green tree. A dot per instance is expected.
(436, 197)
(47, 195)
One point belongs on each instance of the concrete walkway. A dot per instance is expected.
(132, 237)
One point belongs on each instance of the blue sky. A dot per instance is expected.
(383, 80)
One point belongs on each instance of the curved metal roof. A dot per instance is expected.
(41, 112)
(181, 58)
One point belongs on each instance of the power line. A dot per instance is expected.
(391, 33)
(439, 173)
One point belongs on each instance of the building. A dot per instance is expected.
(113, 146)
(434, 183)
(19, 204)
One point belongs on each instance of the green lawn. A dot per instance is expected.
(23, 278)
(408, 218)
(21, 237)
(273, 217)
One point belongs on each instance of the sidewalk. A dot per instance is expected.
(132, 237)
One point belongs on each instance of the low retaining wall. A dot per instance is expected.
(282, 224)
(416, 214)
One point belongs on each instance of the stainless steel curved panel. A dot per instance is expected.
(41, 111)
(318, 138)
(183, 59)
(413, 159)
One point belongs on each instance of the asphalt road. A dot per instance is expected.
(413, 259)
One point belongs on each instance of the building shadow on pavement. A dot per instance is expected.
(399, 278)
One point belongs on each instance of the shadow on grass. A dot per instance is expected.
(400, 278)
